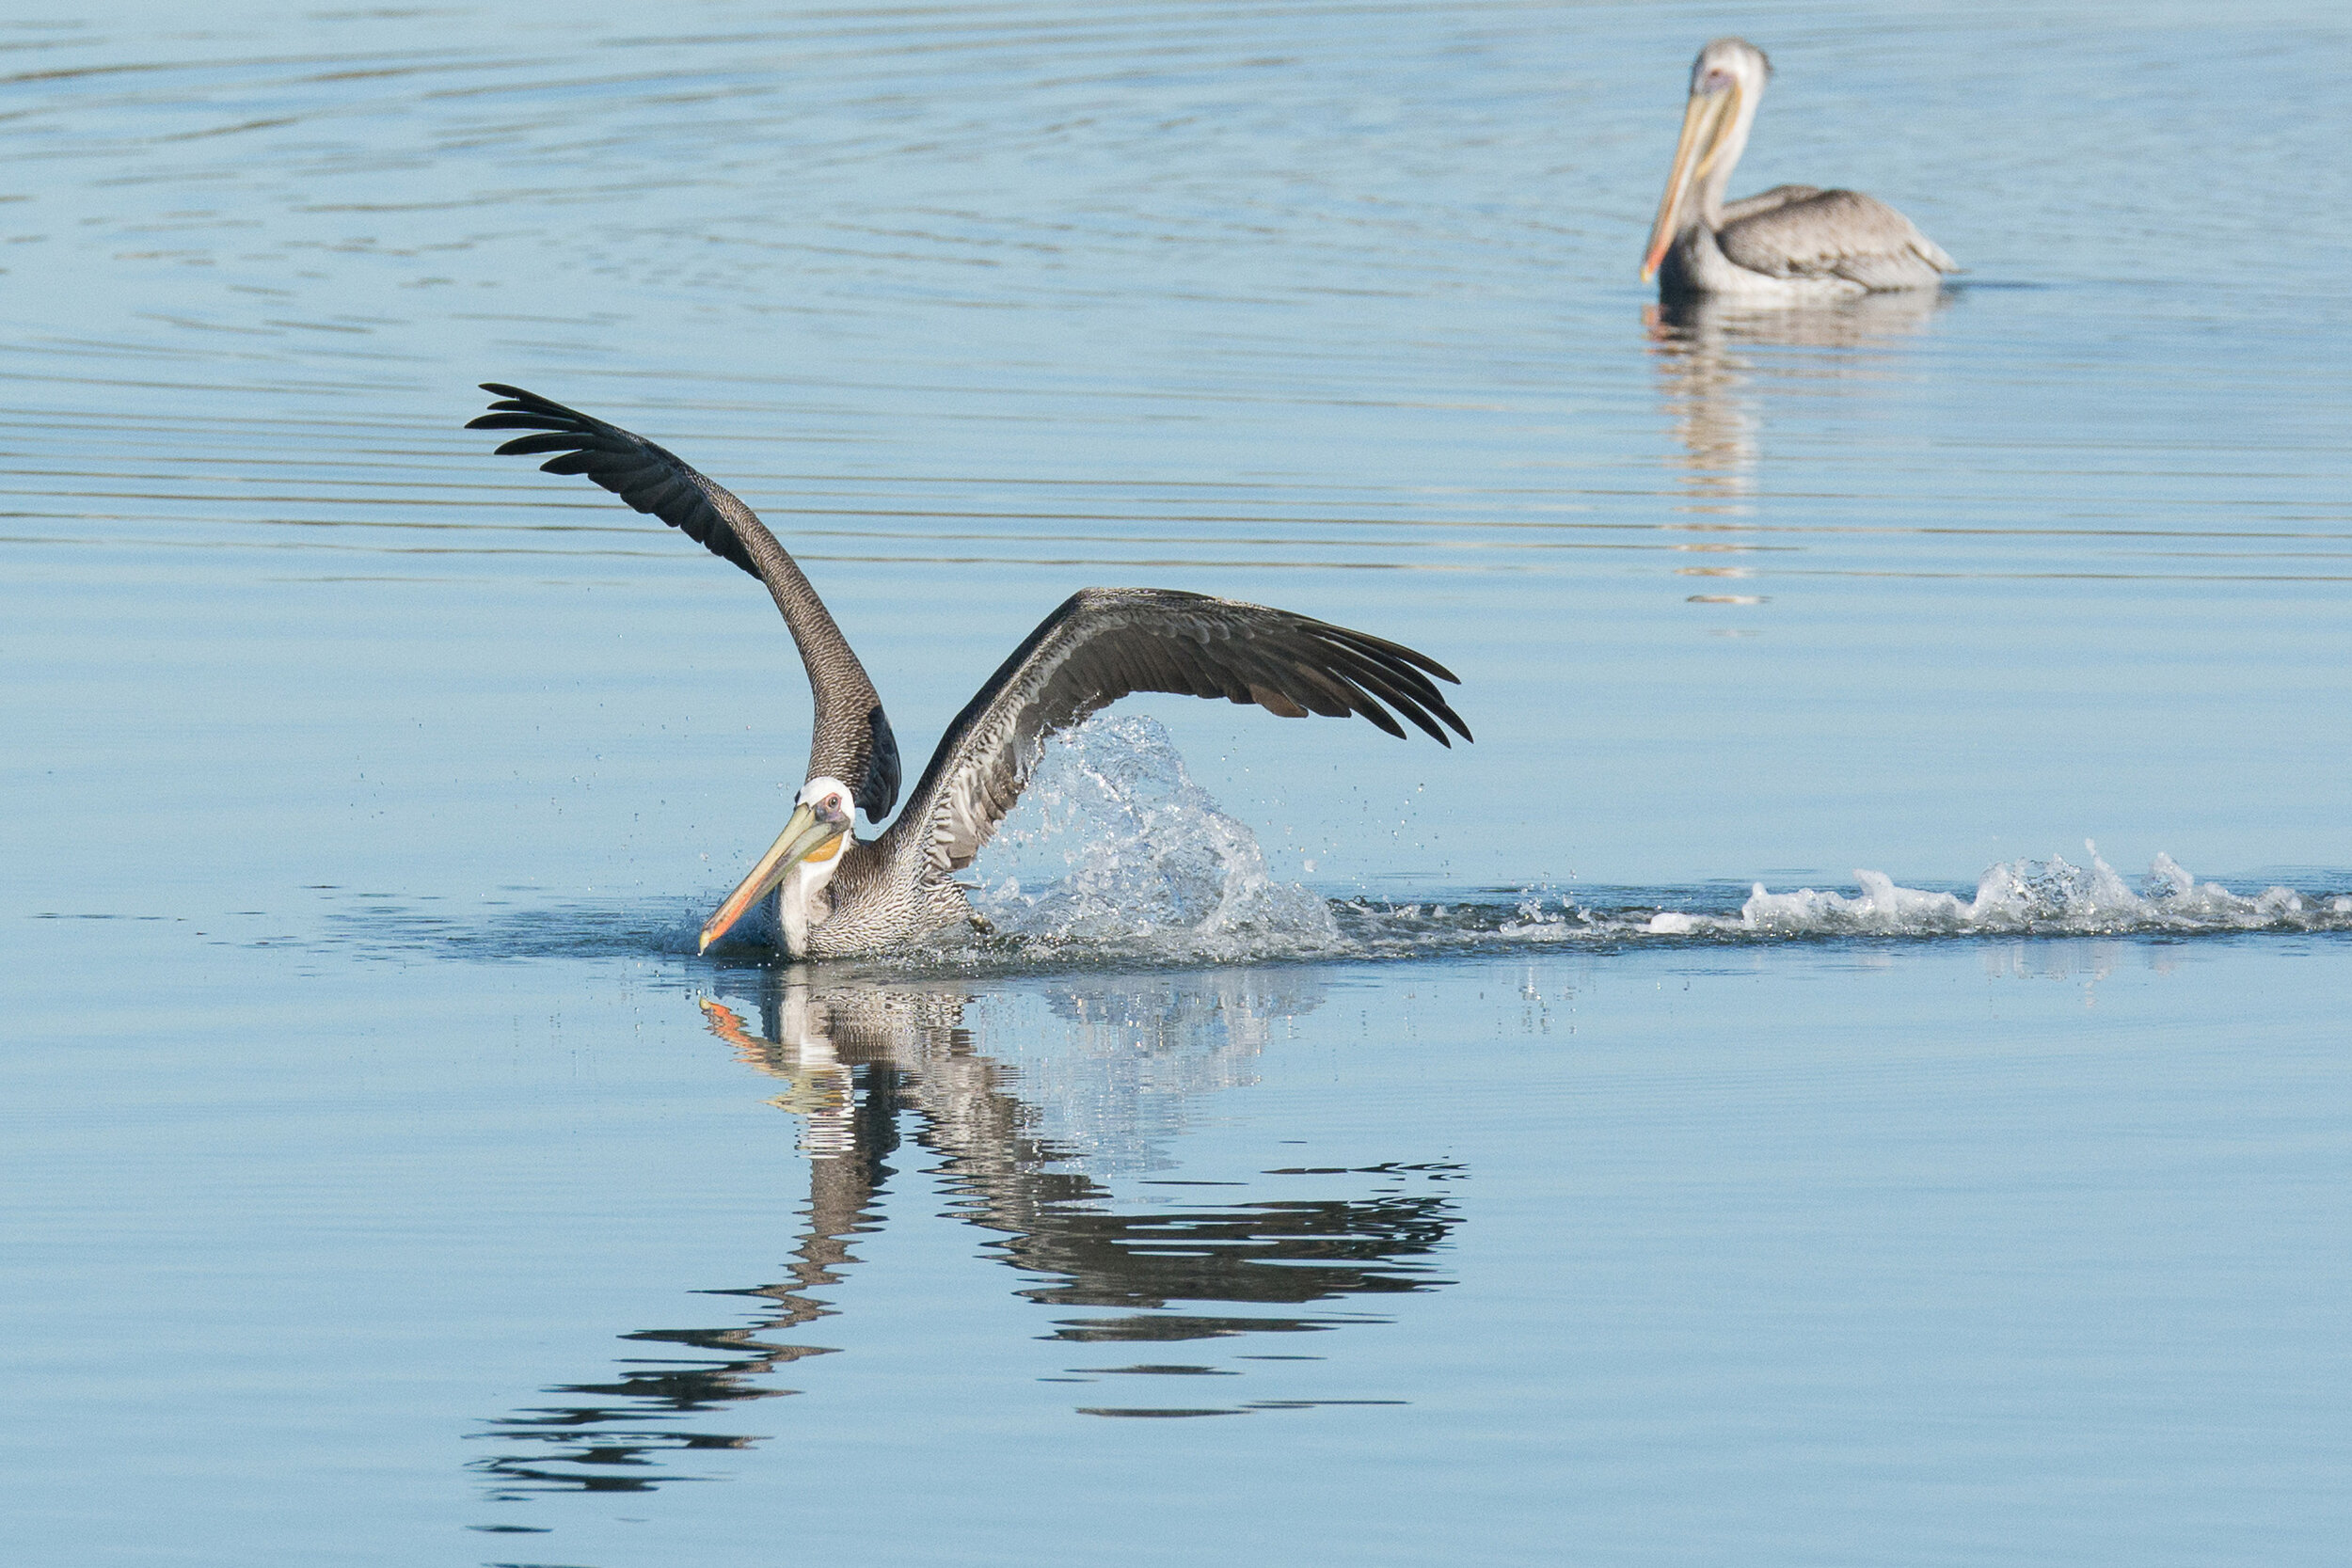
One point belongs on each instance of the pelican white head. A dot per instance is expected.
(797, 866)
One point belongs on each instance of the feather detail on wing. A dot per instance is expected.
(851, 739)
(650, 478)
(1106, 642)
(1810, 233)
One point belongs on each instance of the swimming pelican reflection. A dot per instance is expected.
(1719, 364)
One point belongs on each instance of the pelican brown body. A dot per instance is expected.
(1793, 245)
(840, 896)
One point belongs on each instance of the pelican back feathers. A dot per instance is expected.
(1831, 234)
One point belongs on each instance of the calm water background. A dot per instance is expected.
(370, 1160)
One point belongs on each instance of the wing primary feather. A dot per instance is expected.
(1396, 685)
(1381, 678)
(650, 478)
(1406, 664)
(1394, 650)
(1376, 683)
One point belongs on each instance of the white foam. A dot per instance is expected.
(1116, 854)
(1148, 864)
(2051, 896)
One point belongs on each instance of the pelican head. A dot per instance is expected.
(800, 861)
(1726, 83)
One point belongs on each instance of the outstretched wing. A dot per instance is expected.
(1106, 642)
(652, 478)
(851, 739)
(1832, 234)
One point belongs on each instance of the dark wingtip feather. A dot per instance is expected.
(518, 399)
(1367, 661)
(527, 445)
(1446, 712)
(1369, 707)
(1364, 642)
(1404, 664)
(1422, 721)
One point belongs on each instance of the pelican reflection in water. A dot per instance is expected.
(1720, 363)
(1032, 1154)
(1793, 245)
(837, 896)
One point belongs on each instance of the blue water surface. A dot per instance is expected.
(386, 1181)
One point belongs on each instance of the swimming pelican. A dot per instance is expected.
(1793, 245)
(838, 895)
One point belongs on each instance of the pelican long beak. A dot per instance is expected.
(1704, 123)
(810, 836)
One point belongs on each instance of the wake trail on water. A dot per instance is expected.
(1151, 869)
(1117, 858)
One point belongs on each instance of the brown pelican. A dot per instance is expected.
(838, 895)
(1793, 245)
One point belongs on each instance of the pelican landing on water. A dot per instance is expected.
(1793, 245)
(840, 896)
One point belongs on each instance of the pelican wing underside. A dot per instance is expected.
(650, 478)
(850, 740)
(1104, 644)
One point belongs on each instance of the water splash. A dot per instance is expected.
(1150, 870)
(2052, 897)
(1116, 858)
(1146, 863)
